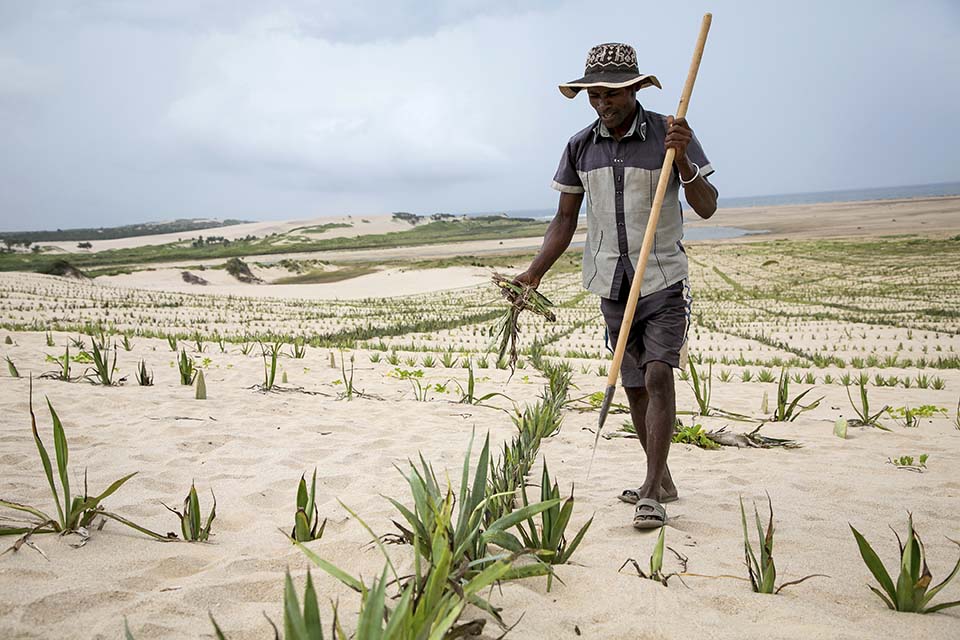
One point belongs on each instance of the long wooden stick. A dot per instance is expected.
(666, 171)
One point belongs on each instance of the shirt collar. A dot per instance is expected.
(637, 128)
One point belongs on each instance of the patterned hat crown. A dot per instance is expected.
(612, 56)
(612, 65)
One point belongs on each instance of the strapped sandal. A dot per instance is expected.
(649, 514)
(631, 496)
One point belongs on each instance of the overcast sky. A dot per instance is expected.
(115, 111)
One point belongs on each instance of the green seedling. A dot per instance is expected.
(188, 371)
(912, 592)
(12, 368)
(909, 464)
(468, 535)
(103, 369)
(347, 379)
(701, 386)
(50, 342)
(172, 343)
(550, 542)
(656, 562)
(74, 513)
(270, 355)
(63, 362)
(127, 344)
(190, 525)
(468, 394)
(763, 571)
(144, 378)
(789, 410)
(695, 435)
(299, 348)
(307, 524)
(864, 417)
(374, 357)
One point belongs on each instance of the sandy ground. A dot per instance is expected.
(251, 447)
(359, 225)
(927, 216)
(384, 283)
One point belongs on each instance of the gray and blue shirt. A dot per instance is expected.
(619, 180)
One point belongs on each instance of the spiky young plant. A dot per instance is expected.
(63, 362)
(191, 527)
(468, 534)
(434, 598)
(172, 343)
(701, 387)
(50, 342)
(12, 368)
(789, 410)
(864, 417)
(550, 542)
(298, 349)
(763, 572)
(188, 370)
(144, 377)
(306, 526)
(656, 562)
(468, 394)
(127, 344)
(912, 591)
(104, 368)
(347, 379)
(270, 355)
(74, 513)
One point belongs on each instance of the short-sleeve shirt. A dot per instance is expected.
(619, 180)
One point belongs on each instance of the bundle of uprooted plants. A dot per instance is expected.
(521, 297)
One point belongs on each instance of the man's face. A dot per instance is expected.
(613, 106)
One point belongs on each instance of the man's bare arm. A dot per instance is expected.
(701, 195)
(555, 240)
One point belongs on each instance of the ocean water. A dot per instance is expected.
(849, 195)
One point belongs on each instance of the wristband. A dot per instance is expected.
(695, 176)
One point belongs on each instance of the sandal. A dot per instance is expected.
(631, 496)
(649, 514)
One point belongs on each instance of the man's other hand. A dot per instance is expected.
(528, 278)
(679, 135)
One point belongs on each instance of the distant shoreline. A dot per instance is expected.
(876, 194)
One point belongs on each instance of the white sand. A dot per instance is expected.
(386, 282)
(251, 448)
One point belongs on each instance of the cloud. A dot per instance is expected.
(353, 116)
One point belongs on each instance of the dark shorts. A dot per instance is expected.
(659, 329)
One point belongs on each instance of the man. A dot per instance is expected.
(615, 164)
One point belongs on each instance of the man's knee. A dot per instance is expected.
(635, 394)
(659, 379)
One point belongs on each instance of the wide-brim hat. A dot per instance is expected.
(612, 65)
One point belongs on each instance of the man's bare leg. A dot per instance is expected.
(653, 410)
